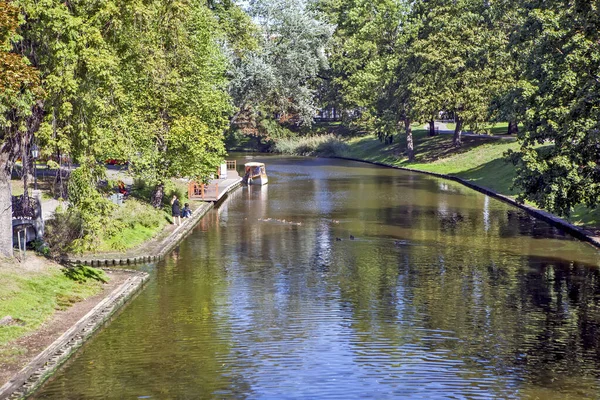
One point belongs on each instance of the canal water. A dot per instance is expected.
(442, 293)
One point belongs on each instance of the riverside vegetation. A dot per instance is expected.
(163, 87)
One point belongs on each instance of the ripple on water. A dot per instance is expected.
(472, 302)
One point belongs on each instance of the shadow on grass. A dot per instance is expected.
(497, 175)
(433, 148)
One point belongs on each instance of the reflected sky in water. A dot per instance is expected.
(442, 293)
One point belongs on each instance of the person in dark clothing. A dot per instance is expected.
(186, 212)
(175, 210)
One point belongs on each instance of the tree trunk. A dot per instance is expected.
(513, 128)
(458, 132)
(432, 128)
(6, 242)
(410, 149)
(157, 196)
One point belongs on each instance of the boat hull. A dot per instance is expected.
(259, 180)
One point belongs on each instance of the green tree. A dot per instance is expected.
(67, 43)
(280, 76)
(177, 105)
(372, 62)
(19, 88)
(455, 53)
(560, 46)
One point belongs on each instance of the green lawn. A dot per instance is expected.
(479, 159)
(32, 296)
(491, 128)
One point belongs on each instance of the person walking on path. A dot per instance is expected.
(175, 210)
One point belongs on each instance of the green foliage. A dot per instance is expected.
(19, 81)
(280, 77)
(177, 102)
(143, 82)
(560, 45)
(324, 145)
(372, 62)
(92, 208)
(134, 213)
(456, 51)
(64, 231)
(130, 225)
(273, 130)
(40, 247)
(83, 273)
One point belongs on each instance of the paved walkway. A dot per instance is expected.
(49, 206)
(443, 129)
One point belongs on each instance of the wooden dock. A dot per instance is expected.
(216, 188)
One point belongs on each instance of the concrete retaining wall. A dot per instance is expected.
(47, 362)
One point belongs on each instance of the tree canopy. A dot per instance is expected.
(560, 45)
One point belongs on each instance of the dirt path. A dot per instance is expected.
(28, 347)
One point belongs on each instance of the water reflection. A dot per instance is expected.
(443, 293)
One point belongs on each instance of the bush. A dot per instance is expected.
(327, 145)
(63, 231)
(40, 247)
(180, 192)
(274, 130)
(141, 190)
(332, 147)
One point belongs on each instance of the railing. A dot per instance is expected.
(20, 212)
(202, 191)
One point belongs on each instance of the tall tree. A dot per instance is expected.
(19, 88)
(560, 43)
(177, 105)
(372, 61)
(67, 43)
(454, 50)
(279, 77)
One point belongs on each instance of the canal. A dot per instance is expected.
(442, 293)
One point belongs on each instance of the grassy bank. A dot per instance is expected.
(479, 160)
(30, 293)
(133, 223)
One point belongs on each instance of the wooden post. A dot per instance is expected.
(217, 193)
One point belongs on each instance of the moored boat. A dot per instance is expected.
(255, 173)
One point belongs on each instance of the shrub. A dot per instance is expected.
(134, 212)
(62, 231)
(171, 189)
(332, 147)
(311, 145)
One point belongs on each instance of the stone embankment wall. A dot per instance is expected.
(46, 363)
